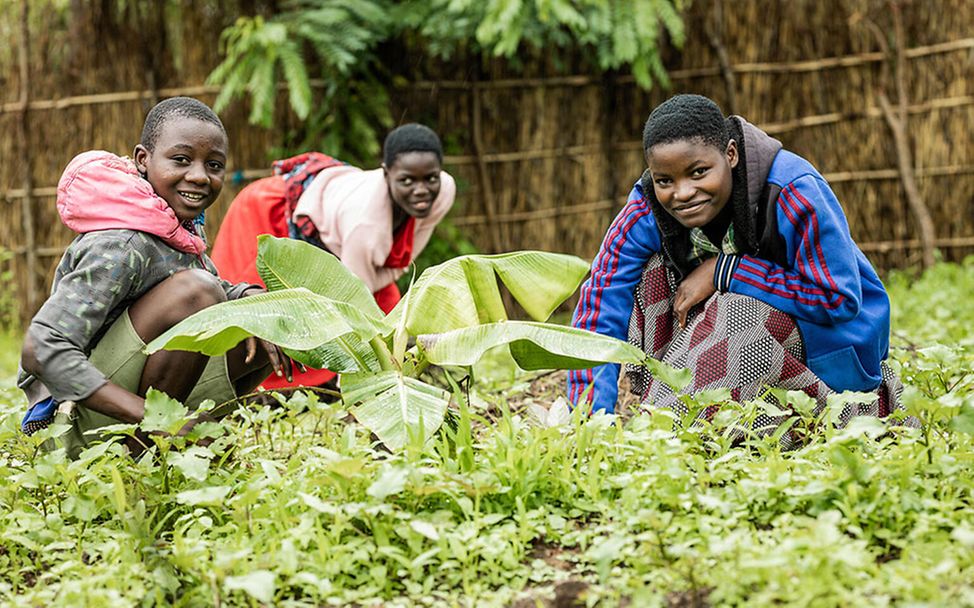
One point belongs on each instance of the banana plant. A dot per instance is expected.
(324, 316)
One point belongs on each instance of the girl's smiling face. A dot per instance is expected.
(187, 166)
(692, 180)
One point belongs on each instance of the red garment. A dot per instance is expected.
(262, 208)
(402, 245)
(399, 257)
(258, 209)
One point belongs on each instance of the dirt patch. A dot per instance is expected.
(554, 555)
(567, 594)
(696, 598)
(545, 388)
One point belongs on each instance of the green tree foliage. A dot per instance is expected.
(614, 34)
(329, 46)
(323, 46)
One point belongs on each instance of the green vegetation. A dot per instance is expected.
(298, 505)
(352, 106)
(334, 43)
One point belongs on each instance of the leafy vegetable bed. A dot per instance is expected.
(501, 510)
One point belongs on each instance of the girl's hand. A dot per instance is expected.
(695, 288)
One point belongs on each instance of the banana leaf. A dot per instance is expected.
(295, 319)
(463, 291)
(344, 354)
(533, 345)
(394, 406)
(289, 263)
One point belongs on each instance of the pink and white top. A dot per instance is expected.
(352, 210)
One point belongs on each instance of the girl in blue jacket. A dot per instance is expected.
(732, 258)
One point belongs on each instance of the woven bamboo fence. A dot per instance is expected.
(876, 94)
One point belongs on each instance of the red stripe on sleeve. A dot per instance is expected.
(806, 238)
(818, 240)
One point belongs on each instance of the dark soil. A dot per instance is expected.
(697, 598)
(547, 387)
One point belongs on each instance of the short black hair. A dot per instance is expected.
(410, 137)
(686, 117)
(175, 107)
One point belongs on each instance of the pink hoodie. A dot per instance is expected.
(101, 191)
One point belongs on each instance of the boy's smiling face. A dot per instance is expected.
(414, 182)
(187, 166)
(692, 180)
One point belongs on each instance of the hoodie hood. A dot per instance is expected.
(101, 191)
(761, 151)
(756, 153)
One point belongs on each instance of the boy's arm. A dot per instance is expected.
(238, 290)
(59, 336)
(823, 283)
(109, 399)
(233, 290)
(606, 298)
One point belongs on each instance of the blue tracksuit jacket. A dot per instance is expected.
(800, 259)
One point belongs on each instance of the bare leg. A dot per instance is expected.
(184, 293)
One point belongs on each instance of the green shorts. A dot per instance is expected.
(120, 356)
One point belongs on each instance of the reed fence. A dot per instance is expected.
(876, 93)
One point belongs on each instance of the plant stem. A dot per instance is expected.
(382, 353)
(363, 366)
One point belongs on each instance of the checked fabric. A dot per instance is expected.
(730, 341)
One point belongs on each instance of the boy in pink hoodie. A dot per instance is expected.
(137, 268)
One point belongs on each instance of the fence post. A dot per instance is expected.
(486, 188)
(898, 121)
(715, 39)
(27, 202)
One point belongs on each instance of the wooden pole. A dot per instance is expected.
(898, 121)
(864, 175)
(609, 110)
(486, 188)
(887, 246)
(715, 28)
(27, 201)
(149, 54)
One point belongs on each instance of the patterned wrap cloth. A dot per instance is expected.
(735, 342)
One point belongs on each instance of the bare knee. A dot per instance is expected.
(190, 291)
(181, 295)
(28, 358)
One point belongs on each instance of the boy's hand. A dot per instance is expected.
(695, 288)
(279, 361)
